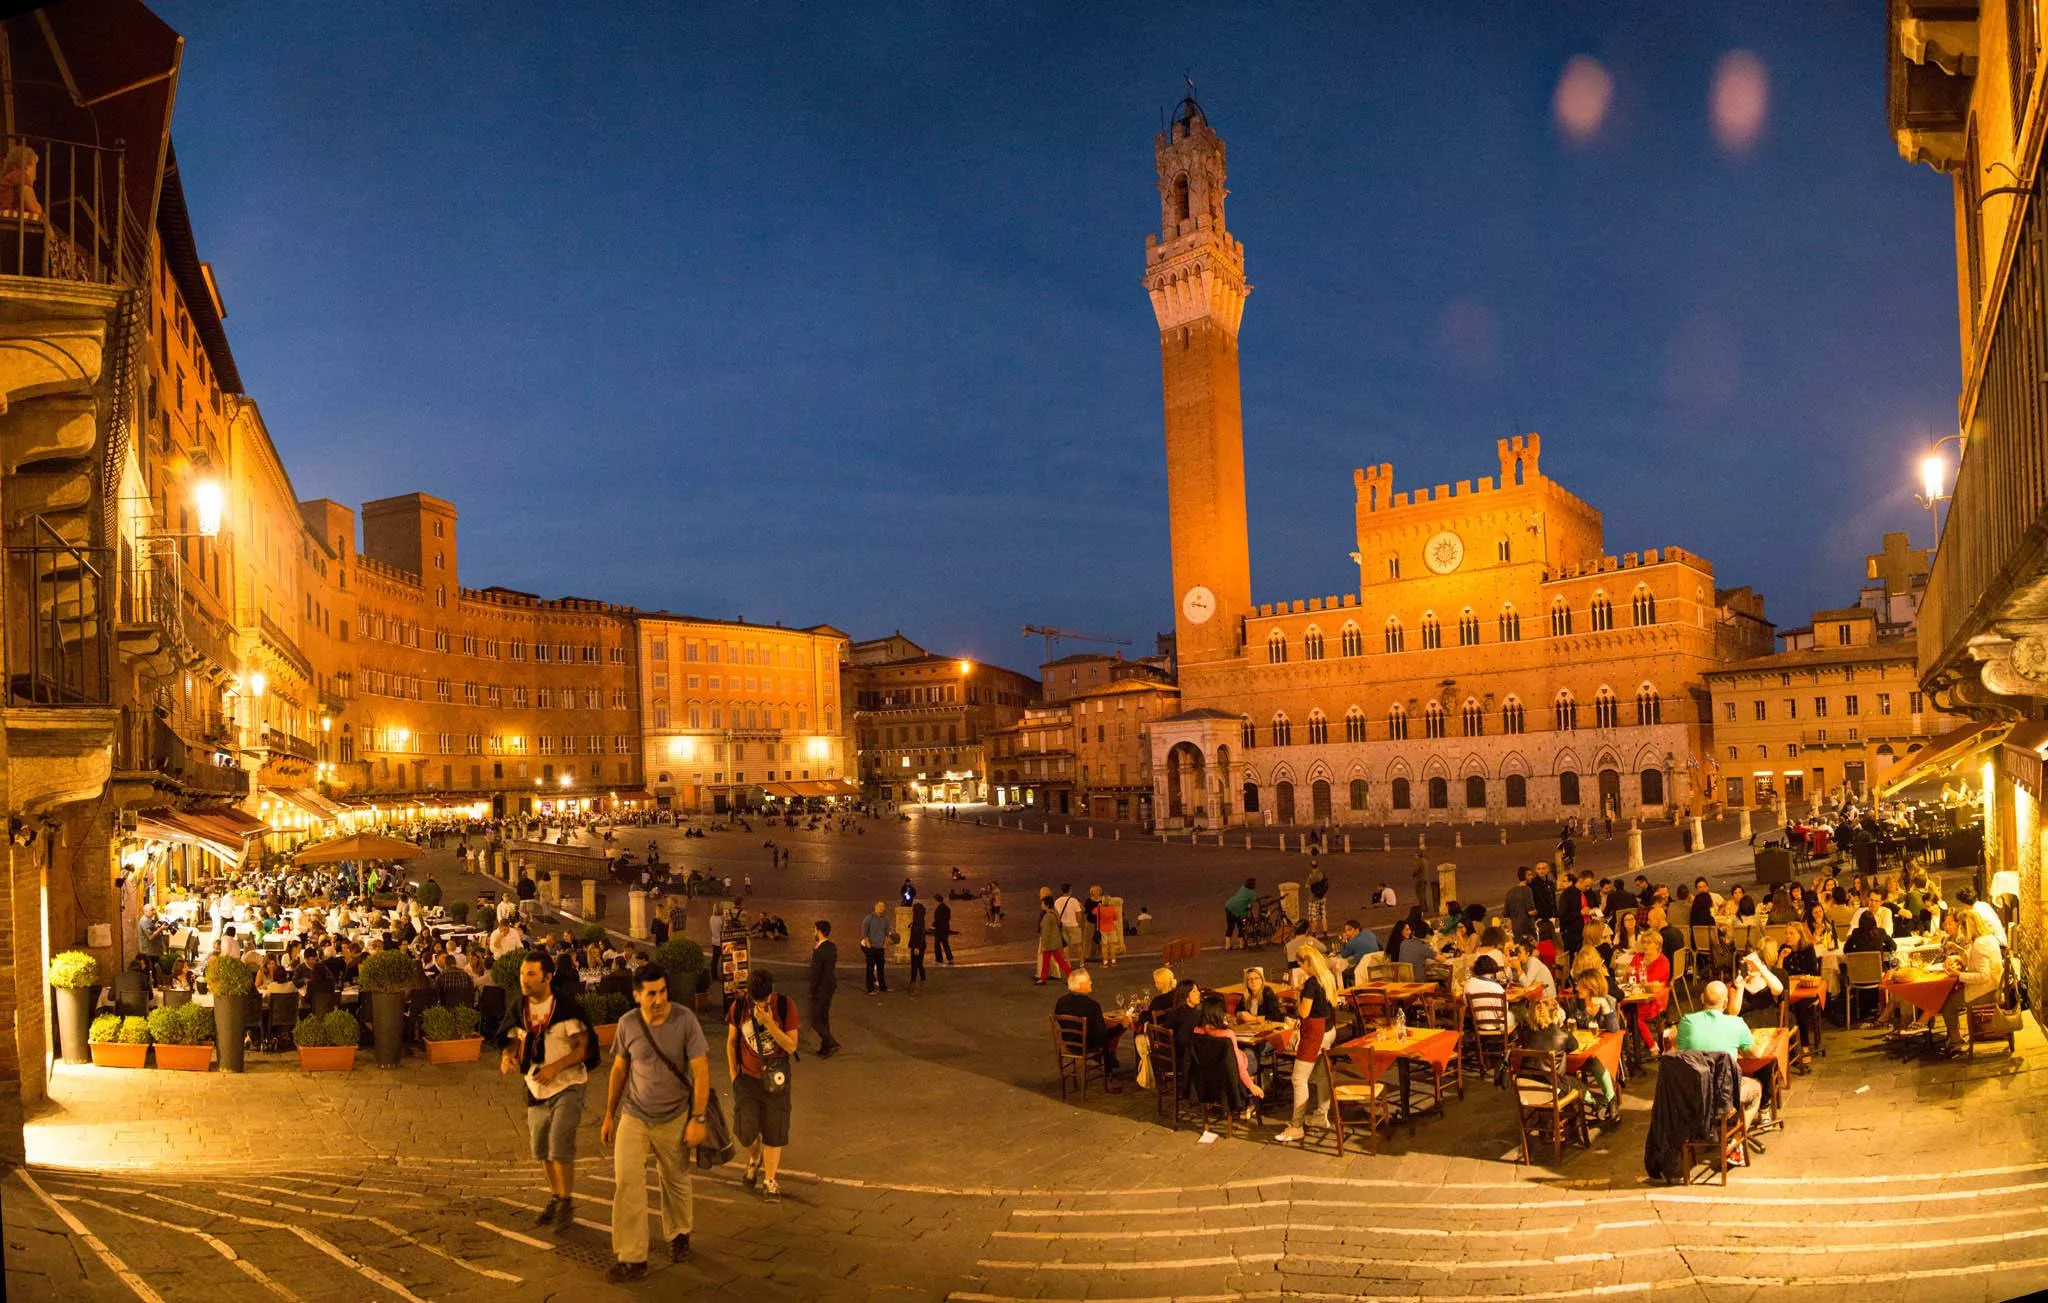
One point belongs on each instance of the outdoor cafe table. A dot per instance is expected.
(1603, 1048)
(1924, 989)
(1525, 994)
(1436, 1046)
(1399, 992)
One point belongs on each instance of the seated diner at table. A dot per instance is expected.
(1214, 1022)
(1647, 967)
(1418, 953)
(1548, 1031)
(1867, 935)
(1762, 984)
(1713, 1029)
(1980, 968)
(1098, 1036)
(1526, 968)
(1260, 1000)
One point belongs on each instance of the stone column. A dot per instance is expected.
(590, 899)
(1699, 834)
(1742, 829)
(1635, 844)
(636, 915)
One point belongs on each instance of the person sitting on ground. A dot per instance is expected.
(1260, 999)
(1713, 1029)
(1100, 1038)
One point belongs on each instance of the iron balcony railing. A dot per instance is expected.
(63, 212)
(1994, 537)
(57, 644)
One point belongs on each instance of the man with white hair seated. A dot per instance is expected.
(1712, 1027)
(1079, 1002)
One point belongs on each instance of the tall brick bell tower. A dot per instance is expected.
(1194, 272)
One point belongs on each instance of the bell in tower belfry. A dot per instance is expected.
(1194, 272)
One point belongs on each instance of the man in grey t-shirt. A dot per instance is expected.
(662, 1113)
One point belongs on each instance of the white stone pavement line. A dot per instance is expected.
(1590, 1201)
(1427, 1232)
(325, 1246)
(1329, 1259)
(1876, 1278)
(515, 1236)
(218, 1245)
(1612, 1255)
(1260, 1296)
(101, 1251)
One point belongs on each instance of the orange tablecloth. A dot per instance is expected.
(1807, 988)
(1925, 991)
(1399, 992)
(1603, 1047)
(1524, 994)
(1432, 1045)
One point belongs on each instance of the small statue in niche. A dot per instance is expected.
(18, 181)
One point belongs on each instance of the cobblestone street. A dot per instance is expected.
(934, 1160)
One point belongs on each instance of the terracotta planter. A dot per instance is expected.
(113, 1054)
(327, 1058)
(463, 1049)
(184, 1058)
(605, 1032)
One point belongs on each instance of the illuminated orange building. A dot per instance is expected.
(1496, 662)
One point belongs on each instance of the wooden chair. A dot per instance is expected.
(1489, 1020)
(1360, 1099)
(1548, 1105)
(1450, 1075)
(1165, 1072)
(1681, 974)
(1074, 1060)
(1367, 1009)
(1399, 972)
(1706, 942)
(1862, 970)
(1212, 1083)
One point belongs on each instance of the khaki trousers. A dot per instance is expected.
(629, 1170)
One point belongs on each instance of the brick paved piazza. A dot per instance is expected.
(933, 1160)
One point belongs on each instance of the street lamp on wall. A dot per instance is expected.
(1935, 485)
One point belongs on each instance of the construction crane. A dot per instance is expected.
(1053, 635)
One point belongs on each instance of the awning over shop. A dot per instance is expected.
(1943, 755)
(633, 796)
(305, 802)
(804, 788)
(207, 831)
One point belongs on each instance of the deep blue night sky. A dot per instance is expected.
(834, 315)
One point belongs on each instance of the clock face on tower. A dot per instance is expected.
(1198, 605)
(1444, 553)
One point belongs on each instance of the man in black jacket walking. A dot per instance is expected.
(942, 929)
(824, 984)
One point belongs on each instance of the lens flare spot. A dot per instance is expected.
(1739, 102)
(1584, 92)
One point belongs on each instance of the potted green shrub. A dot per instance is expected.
(458, 911)
(592, 934)
(683, 960)
(119, 1042)
(505, 972)
(183, 1034)
(605, 1009)
(76, 977)
(388, 977)
(327, 1042)
(451, 1034)
(429, 894)
(230, 982)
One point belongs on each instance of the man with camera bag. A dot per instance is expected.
(661, 1073)
(760, 1041)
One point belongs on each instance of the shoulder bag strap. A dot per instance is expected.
(654, 1045)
